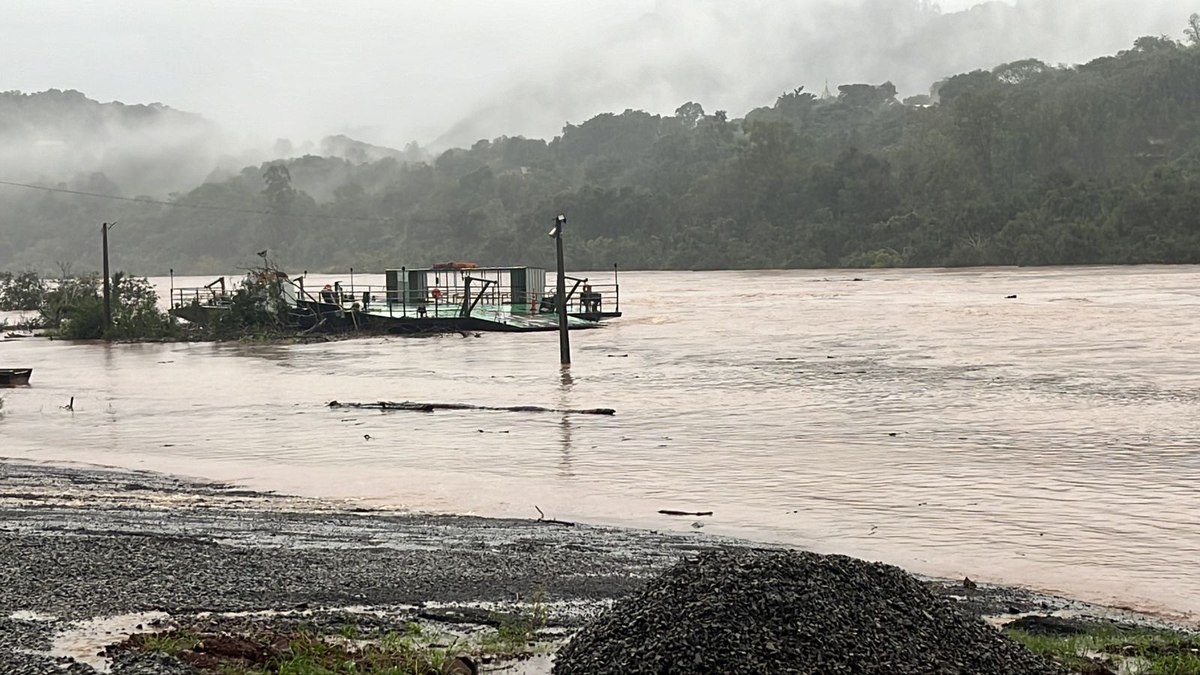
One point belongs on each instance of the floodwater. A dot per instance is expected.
(918, 417)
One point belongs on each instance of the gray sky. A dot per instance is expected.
(399, 70)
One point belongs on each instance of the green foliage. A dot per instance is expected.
(304, 652)
(135, 310)
(172, 643)
(1026, 163)
(74, 308)
(884, 257)
(516, 633)
(24, 291)
(1135, 650)
(256, 308)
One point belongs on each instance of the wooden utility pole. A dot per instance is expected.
(564, 340)
(107, 289)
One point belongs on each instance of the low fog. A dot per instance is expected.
(737, 56)
(448, 73)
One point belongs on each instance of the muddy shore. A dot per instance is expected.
(80, 545)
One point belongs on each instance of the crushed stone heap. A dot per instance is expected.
(770, 611)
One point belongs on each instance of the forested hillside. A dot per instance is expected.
(1028, 164)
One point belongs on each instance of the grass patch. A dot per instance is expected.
(173, 642)
(513, 636)
(346, 645)
(1129, 650)
(298, 652)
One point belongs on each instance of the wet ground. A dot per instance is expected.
(90, 555)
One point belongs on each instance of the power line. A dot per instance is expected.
(202, 207)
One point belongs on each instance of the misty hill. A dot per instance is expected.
(63, 136)
(359, 152)
(1023, 163)
(737, 55)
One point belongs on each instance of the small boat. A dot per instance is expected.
(14, 377)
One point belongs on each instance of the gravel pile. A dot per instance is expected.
(756, 611)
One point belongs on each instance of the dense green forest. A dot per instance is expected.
(1026, 164)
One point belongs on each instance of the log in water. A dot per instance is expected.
(413, 406)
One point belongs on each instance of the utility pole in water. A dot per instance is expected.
(564, 341)
(107, 290)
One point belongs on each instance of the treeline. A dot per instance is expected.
(1025, 164)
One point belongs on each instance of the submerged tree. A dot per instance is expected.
(74, 309)
(21, 292)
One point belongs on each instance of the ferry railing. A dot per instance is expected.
(584, 297)
(346, 296)
(452, 298)
(200, 295)
(448, 300)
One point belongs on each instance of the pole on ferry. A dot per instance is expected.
(564, 340)
(351, 281)
(172, 296)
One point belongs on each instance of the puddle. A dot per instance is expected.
(1129, 665)
(84, 640)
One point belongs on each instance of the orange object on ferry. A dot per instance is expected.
(455, 265)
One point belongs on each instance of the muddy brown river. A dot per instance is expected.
(920, 417)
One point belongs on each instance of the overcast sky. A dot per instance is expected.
(390, 71)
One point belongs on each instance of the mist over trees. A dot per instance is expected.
(1027, 163)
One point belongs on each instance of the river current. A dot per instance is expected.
(919, 417)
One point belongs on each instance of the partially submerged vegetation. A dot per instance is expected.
(71, 307)
(1102, 648)
(21, 292)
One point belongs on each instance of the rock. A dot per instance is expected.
(760, 611)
